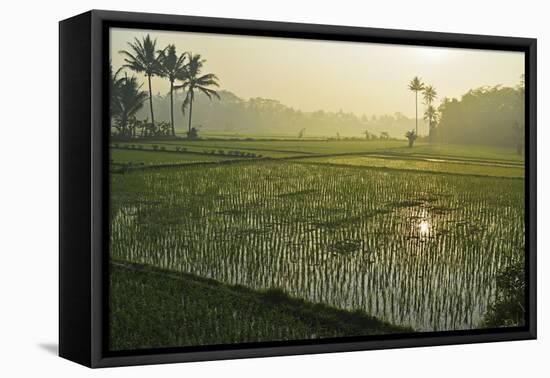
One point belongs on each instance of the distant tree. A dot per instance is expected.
(192, 81)
(171, 66)
(430, 115)
(143, 58)
(487, 115)
(367, 134)
(430, 94)
(384, 135)
(301, 133)
(115, 82)
(130, 100)
(411, 136)
(519, 124)
(416, 86)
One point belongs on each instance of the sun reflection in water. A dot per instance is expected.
(424, 228)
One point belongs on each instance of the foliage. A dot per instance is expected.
(430, 114)
(508, 309)
(171, 66)
(278, 223)
(488, 115)
(194, 81)
(142, 58)
(151, 308)
(233, 115)
(126, 100)
(416, 85)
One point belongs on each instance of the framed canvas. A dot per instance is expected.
(234, 188)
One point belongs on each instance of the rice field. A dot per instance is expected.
(414, 249)
(159, 158)
(461, 167)
(196, 311)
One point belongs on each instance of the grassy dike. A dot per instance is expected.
(152, 308)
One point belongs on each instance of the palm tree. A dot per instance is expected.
(192, 81)
(115, 83)
(143, 58)
(130, 100)
(430, 94)
(416, 86)
(431, 116)
(172, 66)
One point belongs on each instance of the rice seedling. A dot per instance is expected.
(414, 249)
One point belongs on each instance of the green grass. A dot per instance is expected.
(151, 308)
(285, 148)
(136, 157)
(462, 151)
(300, 148)
(463, 168)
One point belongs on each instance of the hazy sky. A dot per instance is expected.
(313, 75)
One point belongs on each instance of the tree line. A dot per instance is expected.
(487, 115)
(183, 71)
(233, 115)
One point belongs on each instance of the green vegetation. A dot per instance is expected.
(172, 67)
(196, 82)
(263, 222)
(357, 231)
(142, 58)
(426, 165)
(137, 157)
(472, 119)
(508, 309)
(151, 308)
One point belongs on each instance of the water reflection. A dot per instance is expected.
(424, 228)
(358, 242)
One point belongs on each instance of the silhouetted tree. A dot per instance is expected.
(430, 94)
(130, 100)
(430, 115)
(115, 82)
(416, 86)
(488, 115)
(172, 66)
(143, 58)
(192, 81)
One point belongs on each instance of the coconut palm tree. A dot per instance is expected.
(431, 115)
(430, 94)
(193, 81)
(115, 82)
(130, 100)
(416, 86)
(172, 66)
(143, 58)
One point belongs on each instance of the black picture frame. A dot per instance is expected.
(84, 192)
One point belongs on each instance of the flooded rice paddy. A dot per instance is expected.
(414, 249)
